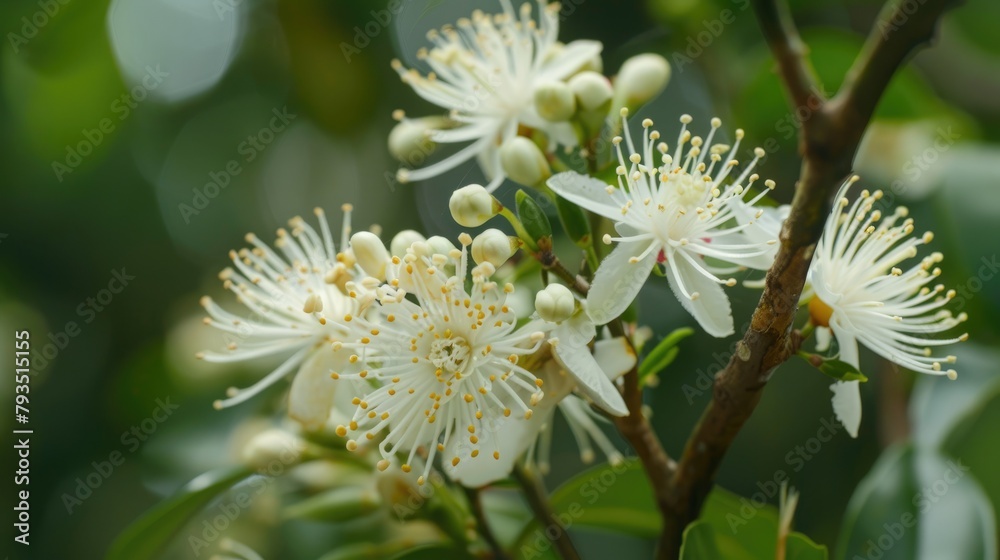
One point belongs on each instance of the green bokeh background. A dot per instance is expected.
(64, 232)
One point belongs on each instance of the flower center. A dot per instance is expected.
(820, 312)
(450, 354)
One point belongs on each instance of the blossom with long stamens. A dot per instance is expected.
(863, 295)
(675, 211)
(295, 296)
(437, 369)
(485, 72)
(533, 437)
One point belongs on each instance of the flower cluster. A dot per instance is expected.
(423, 355)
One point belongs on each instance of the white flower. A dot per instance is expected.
(674, 211)
(862, 296)
(290, 296)
(640, 79)
(436, 370)
(613, 357)
(485, 71)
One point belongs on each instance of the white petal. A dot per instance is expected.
(586, 192)
(573, 353)
(845, 341)
(617, 281)
(711, 307)
(823, 337)
(847, 405)
(615, 356)
(510, 436)
(311, 394)
(570, 58)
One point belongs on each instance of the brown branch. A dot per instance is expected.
(789, 51)
(539, 503)
(635, 427)
(828, 142)
(474, 496)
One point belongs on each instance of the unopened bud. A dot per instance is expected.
(524, 162)
(273, 445)
(402, 241)
(440, 245)
(555, 303)
(592, 91)
(493, 246)
(370, 253)
(409, 140)
(640, 79)
(472, 206)
(554, 101)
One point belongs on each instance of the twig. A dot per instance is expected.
(474, 496)
(828, 142)
(635, 427)
(539, 502)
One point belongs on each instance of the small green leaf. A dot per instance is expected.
(699, 541)
(663, 353)
(837, 369)
(433, 552)
(337, 505)
(148, 535)
(535, 222)
(574, 221)
(842, 371)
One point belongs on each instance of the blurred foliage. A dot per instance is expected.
(95, 176)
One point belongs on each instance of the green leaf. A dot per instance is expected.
(734, 527)
(337, 505)
(842, 371)
(147, 536)
(535, 222)
(801, 547)
(433, 552)
(611, 498)
(916, 504)
(574, 221)
(663, 353)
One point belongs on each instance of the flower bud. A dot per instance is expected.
(402, 241)
(273, 445)
(409, 140)
(370, 253)
(440, 245)
(640, 79)
(472, 206)
(524, 162)
(554, 101)
(592, 91)
(555, 303)
(493, 246)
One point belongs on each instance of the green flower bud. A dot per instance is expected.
(402, 241)
(524, 162)
(473, 205)
(554, 101)
(555, 303)
(493, 246)
(592, 91)
(640, 79)
(370, 253)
